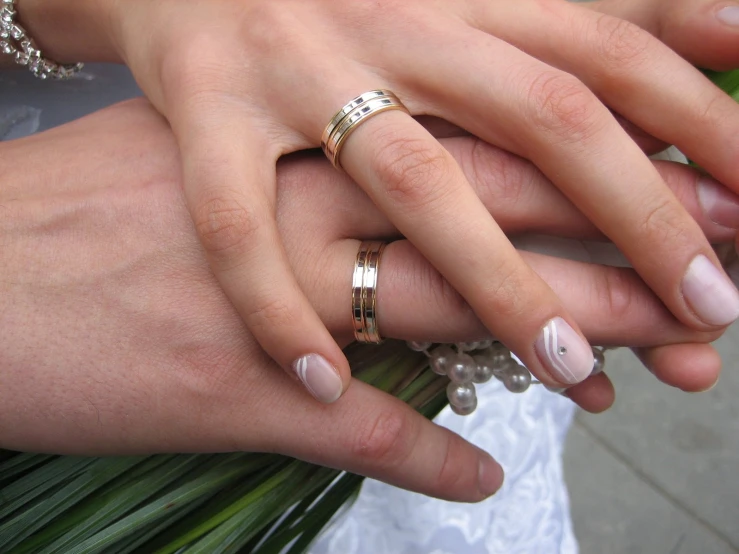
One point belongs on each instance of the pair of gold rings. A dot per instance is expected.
(351, 116)
(367, 264)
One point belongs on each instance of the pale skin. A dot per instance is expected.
(536, 78)
(117, 338)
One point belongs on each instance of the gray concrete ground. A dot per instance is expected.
(659, 472)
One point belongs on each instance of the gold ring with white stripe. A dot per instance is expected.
(353, 114)
(364, 292)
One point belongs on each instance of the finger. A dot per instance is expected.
(424, 193)
(229, 185)
(636, 75)
(704, 32)
(522, 199)
(374, 434)
(595, 395)
(443, 129)
(575, 141)
(612, 306)
(517, 195)
(690, 367)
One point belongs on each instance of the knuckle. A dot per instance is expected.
(226, 227)
(616, 292)
(622, 45)
(663, 224)
(194, 70)
(498, 177)
(414, 172)
(560, 104)
(507, 293)
(387, 439)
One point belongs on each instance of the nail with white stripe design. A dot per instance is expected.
(319, 377)
(567, 357)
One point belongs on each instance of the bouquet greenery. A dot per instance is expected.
(242, 502)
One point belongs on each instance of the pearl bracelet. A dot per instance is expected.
(14, 41)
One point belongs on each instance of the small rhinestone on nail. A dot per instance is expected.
(562, 351)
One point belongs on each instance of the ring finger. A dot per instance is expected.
(425, 194)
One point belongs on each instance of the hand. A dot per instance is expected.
(117, 338)
(243, 83)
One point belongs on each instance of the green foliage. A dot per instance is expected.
(209, 503)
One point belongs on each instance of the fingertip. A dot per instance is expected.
(688, 367)
(320, 377)
(707, 37)
(490, 475)
(564, 352)
(595, 395)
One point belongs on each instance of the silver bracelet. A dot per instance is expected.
(15, 42)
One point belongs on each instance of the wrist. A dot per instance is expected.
(69, 31)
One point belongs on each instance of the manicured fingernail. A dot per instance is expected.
(719, 204)
(729, 15)
(564, 353)
(710, 293)
(319, 377)
(489, 475)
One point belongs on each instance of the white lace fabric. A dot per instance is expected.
(529, 515)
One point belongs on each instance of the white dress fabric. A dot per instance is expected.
(529, 515)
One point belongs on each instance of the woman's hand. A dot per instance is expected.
(117, 338)
(243, 83)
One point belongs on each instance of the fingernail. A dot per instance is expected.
(489, 475)
(564, 353)
(319, 377)
(710, 293)
(729, 15)
(719, 204)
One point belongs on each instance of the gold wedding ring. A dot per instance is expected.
(353, 114)
(364, 292)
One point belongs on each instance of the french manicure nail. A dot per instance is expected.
(719, 204)
(564, 353)
(710, 293)
(319, 377)
(489, 475)
(729, 15)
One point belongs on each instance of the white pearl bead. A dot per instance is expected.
(554, 389)
(599, 361)
(500, 348)
(504, 367)
(483, 370)
(484, 344)
(517, 380)
(461, 395)
(441, 358)
(461, 368)
(464, 411)
(467, 346)
(417, 346)
(499, 357)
